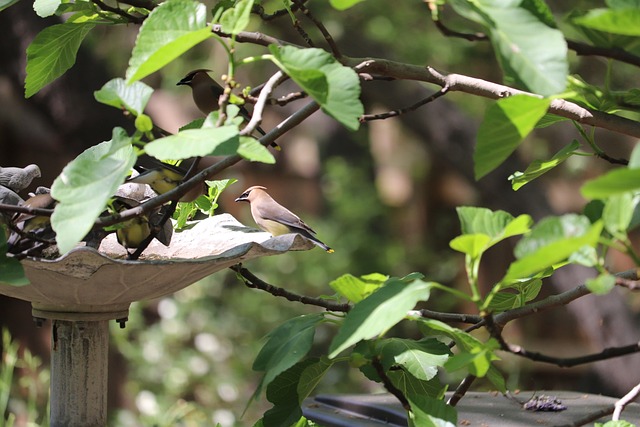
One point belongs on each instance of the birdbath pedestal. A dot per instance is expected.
(83, 290)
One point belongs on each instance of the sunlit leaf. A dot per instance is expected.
(85, 185)
(420, 358)
(170, 30)
(378, 312)
(332, 85)
(355, 288)
(505, 125)
(617, 181)
(252, 150)
(236, 19)
(540, 167)
(617, 21)
(602, 284)
(117, 93)
(221, 141)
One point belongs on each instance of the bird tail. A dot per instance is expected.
(321, 245)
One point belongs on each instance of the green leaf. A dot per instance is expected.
(236, 19)
(505, 125)
(614, 182)
(617, 21)
(412, 386)
(283, 393)
(286, 346)
(117, 93)
(542, 248)
(7, 3)
(540, 167)
(476, 360)
(222, 141)
(634, 159)
(429, 412)
(602, 284)
(356, 289)
(252, 150)
(86, 184)
(483, 228)
(471, 244)
(311, 376)
(550, 119)
(378, 312)
(51, 53)
(420, 358)
(527, 290)
(11, 271)
(332, 85)
(531, 52)
(44, 8)
(170, 30)
(617, 214)
(344, 4)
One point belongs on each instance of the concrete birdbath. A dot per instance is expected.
(84, 289)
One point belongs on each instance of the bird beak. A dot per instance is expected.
(240, 199)
(182, 82)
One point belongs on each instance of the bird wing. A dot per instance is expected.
(286, 217)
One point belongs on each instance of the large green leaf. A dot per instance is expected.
(530, 51)
(614, 182)
(420, 358)
(617, 21)
(551, 245)
(117, 93)
(505, 125)
(540, 167)
(378, 312)
(51, 53)
(332, 85)
(286, 345)
(85, 185)
(617, 214)
(354, 288)
(283, 393)
(221, 141)
(170, 30)
(311, 376)
(412, 386)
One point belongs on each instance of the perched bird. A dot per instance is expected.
(206, 93)
(163, 177)
(18, 179)
(133, 232)
(275, 218)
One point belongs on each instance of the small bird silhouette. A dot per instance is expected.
(206, 92)
(275, 218)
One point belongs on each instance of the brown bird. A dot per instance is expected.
(206, 93)
(274, 218)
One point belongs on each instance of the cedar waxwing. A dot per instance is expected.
(18, 179)
(133, 232)
(275, 218)
(163, 177)
(206, 92)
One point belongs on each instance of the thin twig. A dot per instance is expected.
(255, 282)
(256, 117)
(413, 107)
(325, 33)
(118, 11)
(386, 381)
(461, 390)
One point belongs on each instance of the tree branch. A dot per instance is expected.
(255, 282)
(386, 381)
(394, 113)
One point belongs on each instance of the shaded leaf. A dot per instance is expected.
(283, 393)
(236, 19)
(344, 4)
(51, 53)
(614, 182)
(429, 412)
(617, 21)
(601, 285)
(617, 214)
(252, 150)
(311, 376)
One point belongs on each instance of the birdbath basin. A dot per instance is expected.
(83, 289)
